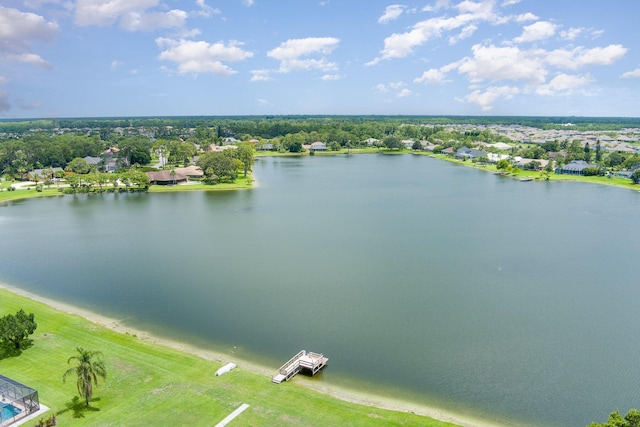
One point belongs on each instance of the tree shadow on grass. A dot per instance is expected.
(79, 407)
(8, 349)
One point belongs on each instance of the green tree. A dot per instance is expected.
(392, 142)
(503, 165)
(587, 152)
(635, 176)
(78, 165)
(20, 164)
(16, 329)
(245, 155)
(89, 367)
(632, 419)
(334, 146)
(74, 181)
(416, 146)
(218, 164)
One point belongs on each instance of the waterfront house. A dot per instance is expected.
(576, 167)
(318, 146)
(166, 178)
(465, 153)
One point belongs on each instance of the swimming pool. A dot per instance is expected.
(8, 411)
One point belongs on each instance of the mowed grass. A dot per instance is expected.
(150, 384)
(27, 194)
(241, 183)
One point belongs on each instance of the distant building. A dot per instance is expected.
(469, 153)
(318, 146)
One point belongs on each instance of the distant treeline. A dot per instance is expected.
(272, 126)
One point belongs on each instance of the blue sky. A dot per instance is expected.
(83, 58)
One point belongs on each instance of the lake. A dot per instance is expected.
(514, 302)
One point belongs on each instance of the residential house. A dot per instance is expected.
(266, 147)
(190, 171)
(166, 177)
(575, 167)
(42, 173)
(371, 141)
(495, 158)
(469, 153)
(318, 146)
(523, 163)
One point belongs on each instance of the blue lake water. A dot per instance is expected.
(509, 301)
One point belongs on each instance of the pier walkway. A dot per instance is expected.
(308, 361)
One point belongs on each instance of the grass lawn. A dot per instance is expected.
(240, 184)
(27, 194)
(150, 384)
(603, 180)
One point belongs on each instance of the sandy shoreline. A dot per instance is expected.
(331, 390)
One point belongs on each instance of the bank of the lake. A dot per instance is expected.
(152, 378)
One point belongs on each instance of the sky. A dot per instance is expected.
(106, 58)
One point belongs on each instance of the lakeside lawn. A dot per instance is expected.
(28, 193)
(241, 183)
(150, 384)
(539, 176)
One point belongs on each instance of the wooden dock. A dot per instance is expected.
(309, 361)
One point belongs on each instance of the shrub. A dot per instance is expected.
(592, 171)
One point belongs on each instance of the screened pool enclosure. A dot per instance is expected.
(16, 401)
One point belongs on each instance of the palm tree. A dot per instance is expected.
(87, 371)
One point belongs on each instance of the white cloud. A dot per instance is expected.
(108, 12)
(432, 76)
(132, 15)
(391, 13)
(31, 59)
(37, 4)
(631, 74)
(248, 3)
(440, 4)
(381, 88)
(510, 2)
(563, 84)
(580, 57)
(502, 63)
(571, 33)
(526, 17)
(261, 75)
(395, 88)
(329, 77)
(399, 45)
(115, 64)
(290, 54)
(487, 98)
(541, 30)
(136, 21)
(18, 29)
(206, 10)
(196, 57)
(464, 34)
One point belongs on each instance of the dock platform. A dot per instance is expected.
(309, 361)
